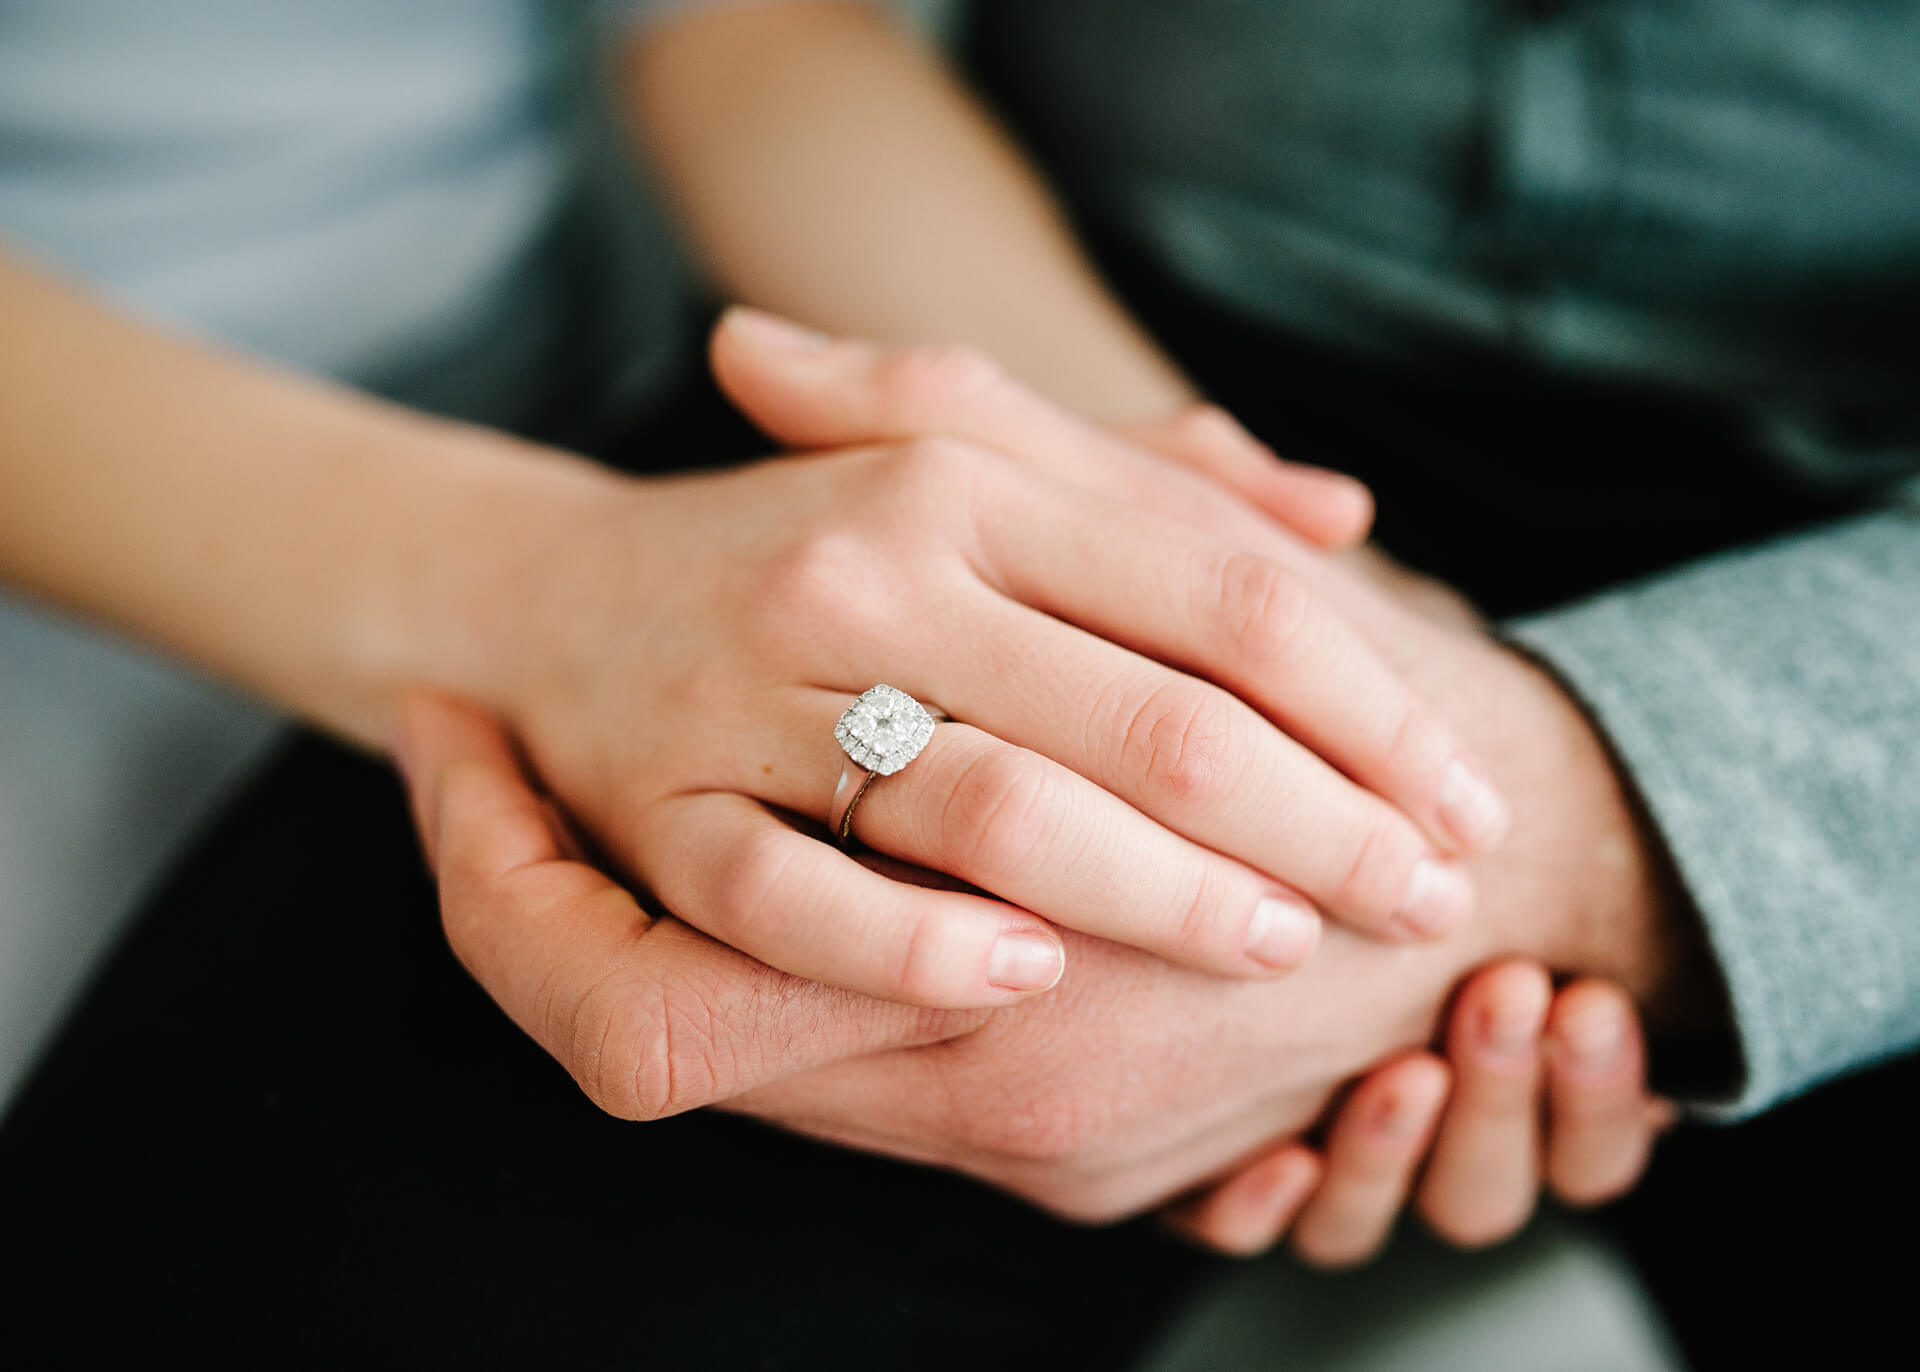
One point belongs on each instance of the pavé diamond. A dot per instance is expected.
(884, 730)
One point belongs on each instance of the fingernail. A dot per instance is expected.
(1593, 1037)
(771, 331)
(1472, 810)
(1438, 898)
(1281, 933)
(1025, 961)
(1511, 1027)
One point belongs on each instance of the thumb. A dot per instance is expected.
(809, 391)
(649, 1016)
(803, 389)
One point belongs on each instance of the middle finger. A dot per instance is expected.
(1035, 833)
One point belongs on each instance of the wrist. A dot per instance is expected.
(464, 594)
(1583, 883)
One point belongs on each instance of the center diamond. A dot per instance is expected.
(884, 730)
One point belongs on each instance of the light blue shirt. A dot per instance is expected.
(367, 189)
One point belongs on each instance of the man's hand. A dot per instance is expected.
(1545, 1088)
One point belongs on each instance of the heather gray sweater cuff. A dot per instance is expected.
(1767, 706)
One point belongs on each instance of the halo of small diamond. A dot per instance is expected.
(884, 730)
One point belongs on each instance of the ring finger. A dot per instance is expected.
(1039, 835)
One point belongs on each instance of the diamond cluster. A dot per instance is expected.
(884, 730)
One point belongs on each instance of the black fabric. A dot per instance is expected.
(286, 1128)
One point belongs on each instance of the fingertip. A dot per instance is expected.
(1438, 898)
(1400, 1103)
(1424, 1083)
(766, 332)
(1027, 961)
(1503, 1012)
(1361, 508)
(1593, 1029)
(1331, 509)
(1281, 1188)
(1282, 934)
(1350, 509)
(1247, 1215)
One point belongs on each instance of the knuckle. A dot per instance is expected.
(999, 812)
(924, 974)
(756, 884)
(922, 382)
(645, 1053)
(820, 581)
(1263, 611)
(1197, 928)
(1179, 742)
(930, 479)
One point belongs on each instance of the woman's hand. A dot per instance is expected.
(1163, 740)
(1536, 1088)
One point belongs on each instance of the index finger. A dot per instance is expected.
(650, 1017)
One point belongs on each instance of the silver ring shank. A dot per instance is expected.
(847, 791)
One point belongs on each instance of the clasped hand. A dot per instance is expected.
(1178, 748)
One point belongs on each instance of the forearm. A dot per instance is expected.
(309, 543)
(830, 170)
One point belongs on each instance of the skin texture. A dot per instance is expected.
(1132, 1079)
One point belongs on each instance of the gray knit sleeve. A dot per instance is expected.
(1767, 706)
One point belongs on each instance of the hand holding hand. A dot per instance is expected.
(1134, 1078)
(1164, 739)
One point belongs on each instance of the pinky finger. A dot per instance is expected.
(1246, 1214)
(724, 864)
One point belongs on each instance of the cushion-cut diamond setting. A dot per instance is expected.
(884, 730)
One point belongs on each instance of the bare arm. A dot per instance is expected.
(830, 169)
(305, 541)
